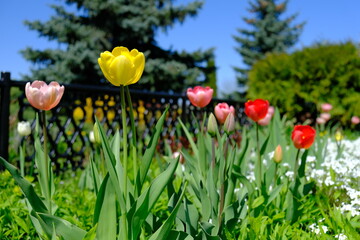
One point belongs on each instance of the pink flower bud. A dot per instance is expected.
(229, 125)
(200, 96)
(278, 154)
(355, 120)
(43, 96)
(222, 110)
(320, 120)
(326, 116)
(326, 107)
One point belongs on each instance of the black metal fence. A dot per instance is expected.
(70, 123)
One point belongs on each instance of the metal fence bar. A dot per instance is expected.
(5, 113)
(68, 133)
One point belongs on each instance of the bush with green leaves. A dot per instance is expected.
(298, 83)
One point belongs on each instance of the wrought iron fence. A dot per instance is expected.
(71, 121)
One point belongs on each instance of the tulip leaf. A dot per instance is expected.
(274, 193)
(100, 199)
(190, 139)
(27, 188)
(149, 153)
(257, 202)
(107, 219)
(246, 183)
(95, 175)
(263, 147)
(91, 234)
(207, 229)
(110, 163)
(62, 227)
(146, 201)
(164, 230)
(301, 171)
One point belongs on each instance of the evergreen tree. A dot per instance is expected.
(268, 34)
(99, 25)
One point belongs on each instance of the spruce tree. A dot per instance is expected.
(269, 33)
(99, 25)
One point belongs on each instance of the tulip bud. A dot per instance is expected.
(92, 137)
(339, 136)
(229, 125)
(212, 126)
(355, 120)
(326, 107)
(278, 155)
(97, 134)
(24, 128)
(180, 156)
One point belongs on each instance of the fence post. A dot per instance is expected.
(5, 113)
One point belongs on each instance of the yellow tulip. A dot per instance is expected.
(121, 67)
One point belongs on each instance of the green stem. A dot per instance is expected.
(133, 130)
(47, 165)
(123, 116)
(296, 166)
(275, 175)
(222, 186)
(258, 169)
(213, 153)
(22, 160)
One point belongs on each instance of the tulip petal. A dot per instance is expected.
(43, 96)
(120, 51)
(121, 70)
(104, 62)
(134, 52)
(139, 65)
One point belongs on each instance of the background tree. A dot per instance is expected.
(298, 83)
(269, 33)
(98, 25)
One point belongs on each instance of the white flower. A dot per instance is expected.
(24, 128)
(341, 236)
(92, 137)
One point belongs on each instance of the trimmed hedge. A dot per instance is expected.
(298, 83)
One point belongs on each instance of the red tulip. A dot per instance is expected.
(200, 96)
(222, 110)
(256, 110)
(266, 120)
(303, 136)
(43, 96)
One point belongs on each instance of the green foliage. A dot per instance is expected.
(269, 33)
(97, 25)
(298, 83)
(15, 220)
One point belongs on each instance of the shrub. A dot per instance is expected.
(298, 83)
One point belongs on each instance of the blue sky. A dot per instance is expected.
(214, 26)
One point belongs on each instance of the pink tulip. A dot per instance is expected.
(326, 116)
(266, 120)
(355, 120)
(200, 96)
(222, 110)
(320, 120)
(271, 110)
(326, 107)
(43, 96)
